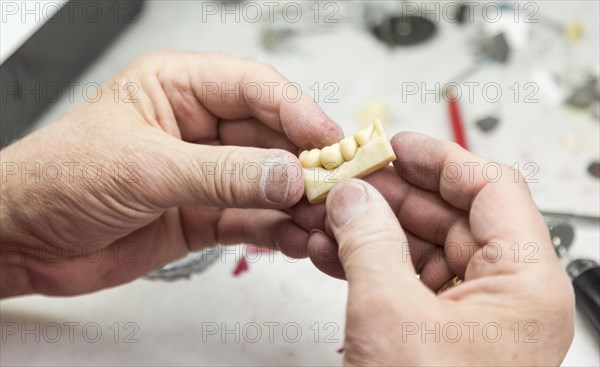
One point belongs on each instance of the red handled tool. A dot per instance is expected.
(458, 128)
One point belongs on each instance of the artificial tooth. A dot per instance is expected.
(375, 152)
(331, 157)
(363, 136)
(312, 159)
(302, 158)
(348, 147)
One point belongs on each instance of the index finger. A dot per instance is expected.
(214, 86)
(501, 209)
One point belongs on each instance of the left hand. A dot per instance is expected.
(440, 213)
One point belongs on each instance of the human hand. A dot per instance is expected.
(439, 213)
(168, 160)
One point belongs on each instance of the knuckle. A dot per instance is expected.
(260, 71)
(362, 243)
(227, 187)
(151, 55)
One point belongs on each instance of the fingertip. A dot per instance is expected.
(293, 240)
(397, 141)
(323, 253)
(282, 182)
(307, 125)
(403, 137)
(296, 192)
(345, 201)
(308, 216)
(370, 240)
(333, 131)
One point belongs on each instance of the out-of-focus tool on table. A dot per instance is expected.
(585, 274)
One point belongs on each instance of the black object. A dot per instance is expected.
(497, 48)
(487, 124)
(594, 169)
(585, 95)
(404, 30)
(586, 283)
(43, 69)
(562, 235)
(581, 218)
(463, 13)
(584, 273)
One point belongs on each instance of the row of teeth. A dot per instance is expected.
(333, 156)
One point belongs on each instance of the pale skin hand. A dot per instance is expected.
(170, 209)
(72, 236)
(430, 215)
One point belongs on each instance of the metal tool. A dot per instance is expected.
(193, 263)
(490, 49)
(584, 273)
(580, 218)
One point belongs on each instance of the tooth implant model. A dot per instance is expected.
(353, 157)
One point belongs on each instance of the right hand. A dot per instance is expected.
(516, 304)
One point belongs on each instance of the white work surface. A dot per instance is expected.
(168, 324)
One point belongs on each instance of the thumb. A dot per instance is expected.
(373, 249)
(383, 288)
(185, 174)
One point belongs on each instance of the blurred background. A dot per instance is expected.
(525, 76)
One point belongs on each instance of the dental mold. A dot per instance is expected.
(353, 157)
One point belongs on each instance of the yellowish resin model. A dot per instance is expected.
(353, 157)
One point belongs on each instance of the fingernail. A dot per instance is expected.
(315, 231)
(346, 202)
(277, 183)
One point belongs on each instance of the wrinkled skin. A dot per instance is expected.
(164, 199)
(516, 304)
